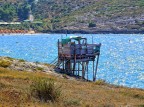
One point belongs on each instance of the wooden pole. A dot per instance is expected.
(78, 68)
(58, 52)
(85, 66)
(87, 70)
(63, 64)
(93, 71)
(92, 39)
(70, 67)
(83, 70)
(74, 59)
(96, 67)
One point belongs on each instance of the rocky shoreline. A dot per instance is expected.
(95, 31)
(22, 65)
(84, 32)
(25, 66)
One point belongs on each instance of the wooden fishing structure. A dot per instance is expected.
(75, 54)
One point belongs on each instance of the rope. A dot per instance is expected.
(54, 61)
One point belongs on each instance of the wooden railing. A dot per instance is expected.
(79, 49)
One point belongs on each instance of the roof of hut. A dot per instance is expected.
(68, 39)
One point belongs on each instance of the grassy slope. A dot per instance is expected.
(15, 86)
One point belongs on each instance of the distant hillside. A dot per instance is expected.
(79, 15)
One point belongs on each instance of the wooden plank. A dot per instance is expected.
(83, 51)
(93, 44)
(81, 60)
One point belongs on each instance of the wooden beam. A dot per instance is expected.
(96, 67)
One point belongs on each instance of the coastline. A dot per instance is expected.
(78, 32)
(27, 66)
(96, 31)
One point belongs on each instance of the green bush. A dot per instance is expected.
(40, 68)
(5, 63)
(2, 86)
(45, 90)
(141, 105)
(91, 24)
(100, 82)
(21, 60)
(72, 102)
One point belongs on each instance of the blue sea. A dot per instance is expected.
(121, 60)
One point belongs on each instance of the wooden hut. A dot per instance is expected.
(74, 55)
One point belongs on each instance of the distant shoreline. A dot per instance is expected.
(95, 32)
(80, 32)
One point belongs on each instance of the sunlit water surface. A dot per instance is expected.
(121, 60)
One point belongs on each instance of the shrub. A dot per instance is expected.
(65, 76)
(21, 60)
(5, 63)
(100, 82)
(2, 85)
(132, 94)
(40, 68)
(45, 90)
(141, 105)
(91, 24)
(9, 58)
(74, 102)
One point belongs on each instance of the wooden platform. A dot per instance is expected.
(74, 55)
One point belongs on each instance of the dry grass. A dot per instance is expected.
(15, 91)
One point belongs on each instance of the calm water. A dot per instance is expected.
(121, 61)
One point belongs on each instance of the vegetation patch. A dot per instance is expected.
(5, 63)
(91, 24)
(21, 60)
(49, 65)
(45, 90)
(72, 102)
(9, 58)
(40, 68)
(65, 76)
(2, 85)
(100, 82)
(133, 94)
(18, 97)
(141, 105)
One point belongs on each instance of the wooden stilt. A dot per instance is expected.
(87, 71)
(96, 67)
(93, 71)
(74, 64)
(78, 68)
(70, 67)
(83, 70)
(63, 64)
